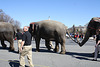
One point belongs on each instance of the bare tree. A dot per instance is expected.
(17, 25)
(1, 10)
(6, 18)
(11, 21)
(1, 16)
(74, 30)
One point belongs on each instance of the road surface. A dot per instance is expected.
(75, 56)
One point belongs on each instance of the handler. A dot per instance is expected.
(26, 48)
(97, 46)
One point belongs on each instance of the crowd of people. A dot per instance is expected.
(77, 36)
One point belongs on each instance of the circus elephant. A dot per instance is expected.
(50, 31)
(92, 27)
(7, 34)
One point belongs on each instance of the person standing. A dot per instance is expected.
(97, 46)
(26, 48)
(19, 38)
(81, 36)
(76, 37)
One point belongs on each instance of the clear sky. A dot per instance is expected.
(69, 12)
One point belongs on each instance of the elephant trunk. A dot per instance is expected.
(87, 35)
(71, 37)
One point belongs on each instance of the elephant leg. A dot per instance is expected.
(63, 51)
(56, 47)
(11, 48)
(3, 44)
(47, 44)
(37, 40)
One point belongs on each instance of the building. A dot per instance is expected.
(80, 29)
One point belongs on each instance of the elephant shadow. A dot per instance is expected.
(43, 49)
(1, 48)
(7, 48)
(82, 56)
(14, 63)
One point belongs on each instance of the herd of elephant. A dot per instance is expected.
(50, 31)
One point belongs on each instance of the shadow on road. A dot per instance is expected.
(42, 50)
(14, 63)
(81, 56)
(1, 48)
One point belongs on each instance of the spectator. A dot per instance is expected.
(81, 37)
(76, 36)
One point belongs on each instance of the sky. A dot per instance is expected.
(69, 12)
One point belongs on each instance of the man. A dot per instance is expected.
(97, 46)
(19, 38)
(26, 48)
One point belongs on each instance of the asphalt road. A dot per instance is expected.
(75, 56)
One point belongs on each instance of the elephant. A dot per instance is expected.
(7, 34)
(92, 27)
(49, 30)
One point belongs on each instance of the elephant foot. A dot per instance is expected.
(11, 49)
(37, 50)
(4, 46)
(56, 51)
(62, 52)
(49, 48)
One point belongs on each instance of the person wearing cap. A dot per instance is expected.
(26, 48)
(97, 46)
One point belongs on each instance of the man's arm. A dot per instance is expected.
(97, 43)
(22, 45)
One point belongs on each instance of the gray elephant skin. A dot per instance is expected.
(92, 27)
(7, 34)
(50, 31)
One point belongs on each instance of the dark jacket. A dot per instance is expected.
(19, 35)
(27, 38)
(97, 38)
